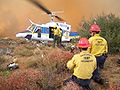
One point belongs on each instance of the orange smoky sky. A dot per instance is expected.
(14, 14)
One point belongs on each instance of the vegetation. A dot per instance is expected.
(110, 26)
(2, 59)
(45, 69)
(23, 51)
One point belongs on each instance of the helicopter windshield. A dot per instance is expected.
(32, 28)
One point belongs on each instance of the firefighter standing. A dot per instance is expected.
(83, 64)
(56, 32)
(99, 47)
(60, 37)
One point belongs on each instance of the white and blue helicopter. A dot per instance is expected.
(43, 32)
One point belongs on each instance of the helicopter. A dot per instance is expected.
(43, 32)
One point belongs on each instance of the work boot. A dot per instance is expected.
(118, 62)
(66, 81)
(86, 87)
(99, 81)
(102, 82)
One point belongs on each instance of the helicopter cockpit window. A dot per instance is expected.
(38, 30)
(32, 27)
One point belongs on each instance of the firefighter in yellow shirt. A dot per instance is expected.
(99, 47)
(83, 65)
(56, 32)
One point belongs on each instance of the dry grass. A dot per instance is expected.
(2, 60)
(71, 86)
(23, 51)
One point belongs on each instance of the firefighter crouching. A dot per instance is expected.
(83, 65)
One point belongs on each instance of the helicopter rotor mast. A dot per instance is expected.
(46, 10)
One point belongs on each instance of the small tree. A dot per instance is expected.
(110, 30)
(83, 30)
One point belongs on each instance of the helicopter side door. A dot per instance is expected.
(44, 33)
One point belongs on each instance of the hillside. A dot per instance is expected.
(44, 68)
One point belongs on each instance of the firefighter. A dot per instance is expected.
(83, 65)
(56, 32)
(99, 46)
(60, 37)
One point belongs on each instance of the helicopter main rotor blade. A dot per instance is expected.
(59, 18)
(39, 5)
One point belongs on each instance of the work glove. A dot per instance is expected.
(105, 55)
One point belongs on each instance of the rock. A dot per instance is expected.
(6, 51)
(13, 66)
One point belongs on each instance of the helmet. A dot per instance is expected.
(83, 43)
(94, 28)
(55, 25)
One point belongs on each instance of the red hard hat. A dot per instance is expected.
(94, 28)
(83, 43)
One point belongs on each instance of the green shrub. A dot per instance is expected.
(84, 29)
(5, 73)
(110, 26)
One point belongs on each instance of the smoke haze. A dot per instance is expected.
(14, 14)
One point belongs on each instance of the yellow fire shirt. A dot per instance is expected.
(98, 45)
(83, 65)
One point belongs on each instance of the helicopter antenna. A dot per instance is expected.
(47, 11)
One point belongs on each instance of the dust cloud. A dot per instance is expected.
(14, 14)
